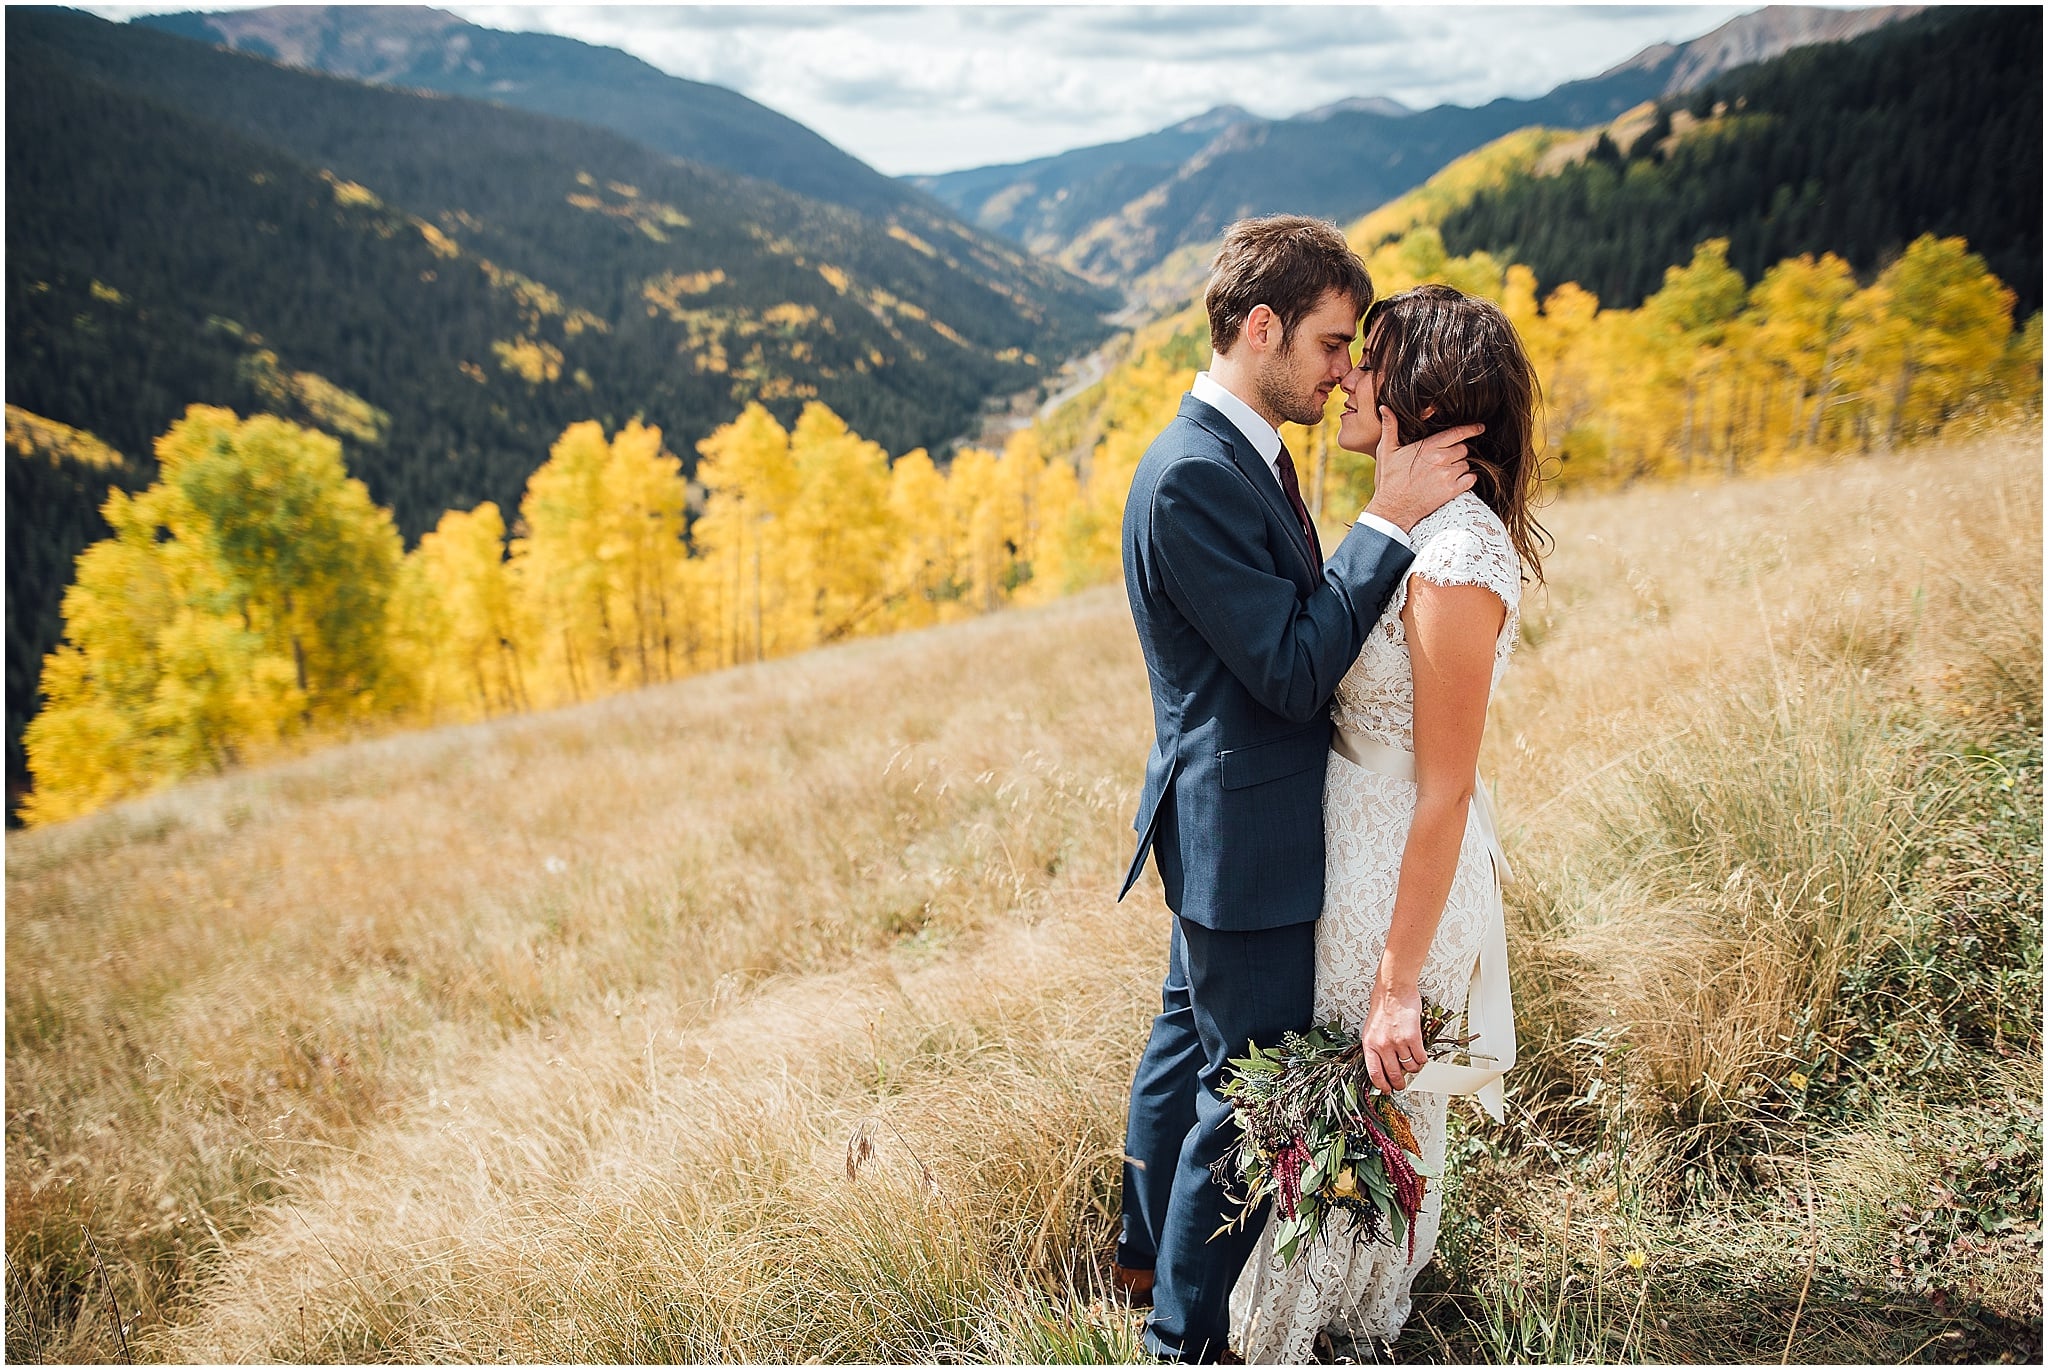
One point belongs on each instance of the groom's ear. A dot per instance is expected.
(1262, 328)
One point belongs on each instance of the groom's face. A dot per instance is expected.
(1296, 378)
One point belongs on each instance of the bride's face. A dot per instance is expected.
(1359, 430)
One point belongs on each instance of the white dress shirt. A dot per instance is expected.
(1265, 440)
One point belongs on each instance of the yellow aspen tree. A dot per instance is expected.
(1874, 345)
(558, 569)
(157, 676)
(1926, 336)
(974, 489)
(1407, 261)
(1475, 273)
(1561, 349)
(311, 558)
(240, 601)
(418, 630)
(750, 483)
(1553, 332)
(459, 620)
(1095, 534)
(924, 581)
(600, 562)
(1793, 329)
(842, 533)
(1518, 301)
(1021, 476)
(1057, 495)
(2016, 389)
(1418, 257)
(1683, 326)
(642, 553)
(1639, 371)
(706, 638)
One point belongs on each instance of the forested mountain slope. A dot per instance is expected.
(444, 284)
(1932, 125)
(430, 49)
(674, 267)
(1115, 211)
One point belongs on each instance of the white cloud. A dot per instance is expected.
(938, 88)
(919, 89)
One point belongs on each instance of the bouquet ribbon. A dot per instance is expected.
(1489, 1006)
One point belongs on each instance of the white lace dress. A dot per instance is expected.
(1361, 1290)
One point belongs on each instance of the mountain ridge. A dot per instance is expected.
(1112, 212)
(421, 48)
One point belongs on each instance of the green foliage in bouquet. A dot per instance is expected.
(1317, 1137)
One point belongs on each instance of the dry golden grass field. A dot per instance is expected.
(786, 1013)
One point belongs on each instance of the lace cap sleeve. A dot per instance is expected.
(1468, 546)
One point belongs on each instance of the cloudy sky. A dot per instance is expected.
(937, 88)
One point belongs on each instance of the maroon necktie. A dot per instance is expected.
(1284, 464)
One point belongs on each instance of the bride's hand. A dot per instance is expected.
(1393, 1036)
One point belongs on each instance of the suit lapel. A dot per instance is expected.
(1255, 470)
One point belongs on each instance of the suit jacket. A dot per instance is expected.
(1244, 644)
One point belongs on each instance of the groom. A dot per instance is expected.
(1246, 630)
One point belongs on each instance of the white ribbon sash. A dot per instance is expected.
(1489, 1007)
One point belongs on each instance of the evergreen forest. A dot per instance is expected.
(1928, 125)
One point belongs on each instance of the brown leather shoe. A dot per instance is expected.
(1134, 1284)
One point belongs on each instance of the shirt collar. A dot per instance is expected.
(1264, 438)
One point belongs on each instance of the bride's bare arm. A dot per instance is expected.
(1451, 633)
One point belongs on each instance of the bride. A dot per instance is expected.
(1412, 870)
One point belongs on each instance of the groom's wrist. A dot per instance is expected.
(1386, 526)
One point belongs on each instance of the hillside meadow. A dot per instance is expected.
(785, 1013)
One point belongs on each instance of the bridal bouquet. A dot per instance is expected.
(1316, 1137)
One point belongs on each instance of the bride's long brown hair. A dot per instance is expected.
(1438, 351)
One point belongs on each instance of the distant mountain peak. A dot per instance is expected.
(370, 42)
(1385, 106)
(1649, 59)
(1756, 37)
(1210, 121)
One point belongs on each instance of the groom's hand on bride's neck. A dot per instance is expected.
(1414, 480)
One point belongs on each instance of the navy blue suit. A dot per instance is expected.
(1245, 639)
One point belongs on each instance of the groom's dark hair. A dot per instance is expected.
(1285, 262)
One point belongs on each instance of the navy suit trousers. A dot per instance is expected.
(1222, 991)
